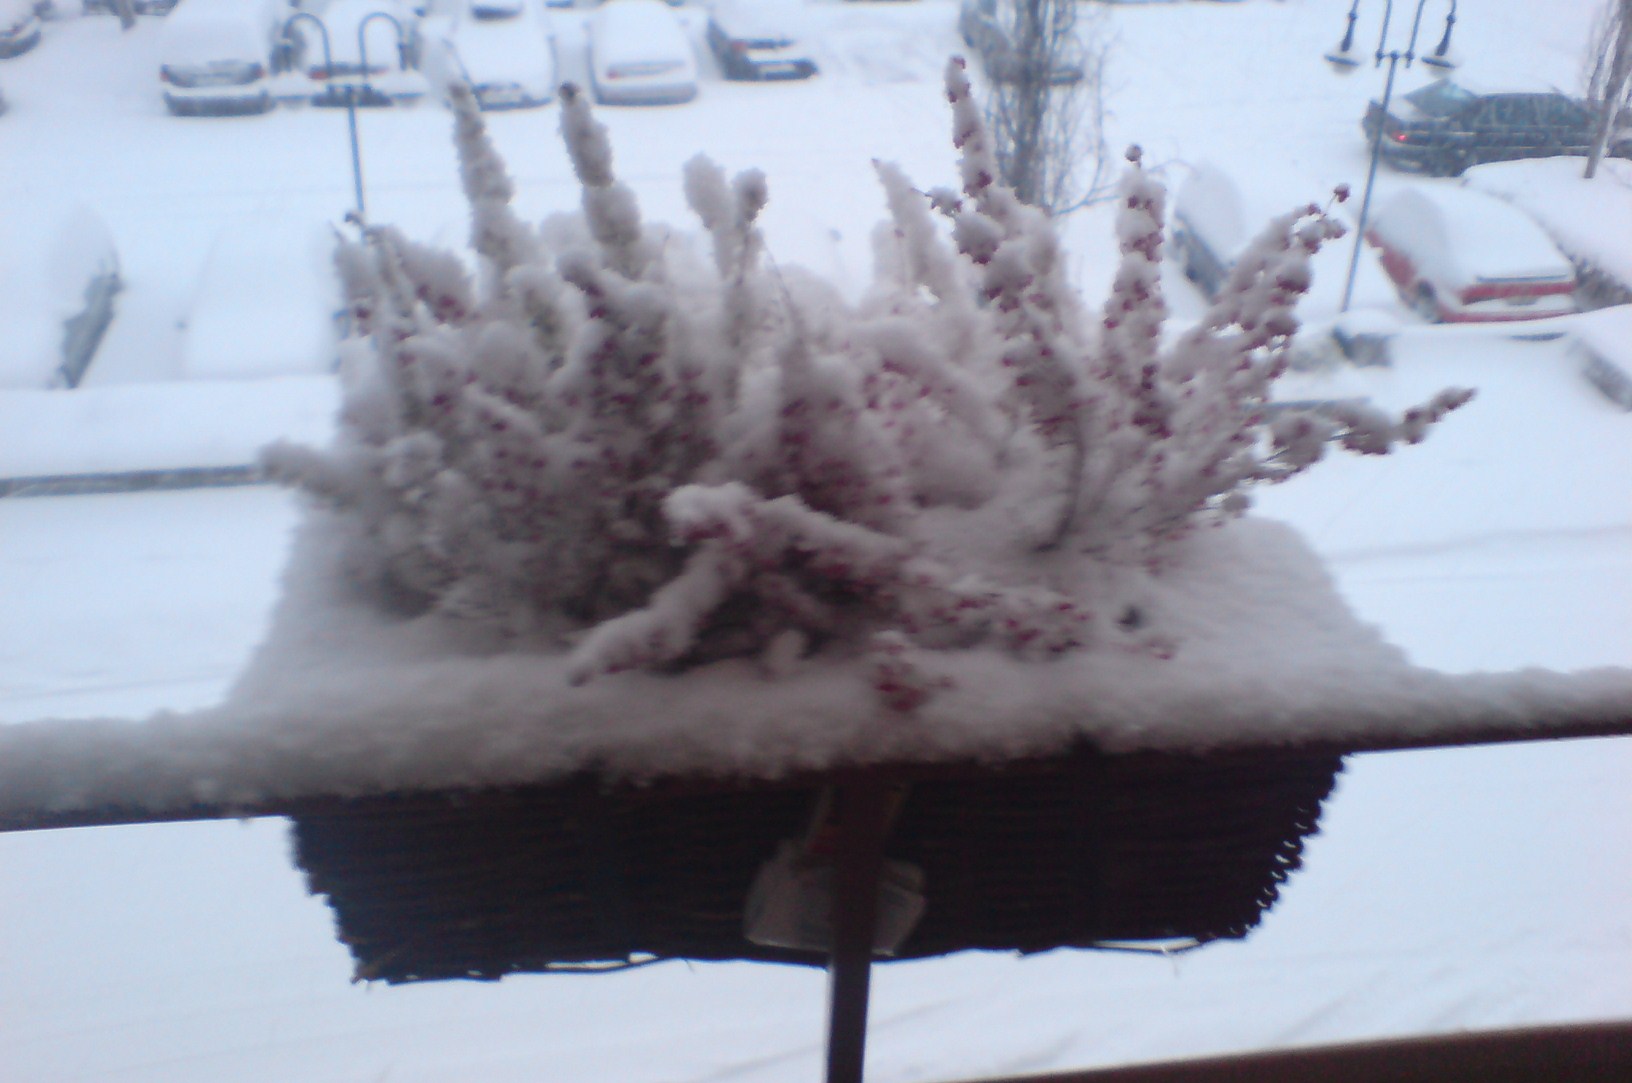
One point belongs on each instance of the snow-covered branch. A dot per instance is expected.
(650, 457)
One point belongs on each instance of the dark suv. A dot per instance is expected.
(1444, 128)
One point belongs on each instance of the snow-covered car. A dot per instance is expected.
(758, 39)
(1215, 218)
(267, 303)
(1461, 256)
(504, 50)
(373, 49)
(213, 57)
(19, 27)
(639, 54)
(59, 274)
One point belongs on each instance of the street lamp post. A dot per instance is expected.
(350, 90)
(1344, 60)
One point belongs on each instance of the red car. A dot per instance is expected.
(1461, 256)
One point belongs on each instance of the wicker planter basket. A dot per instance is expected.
(1077, 850)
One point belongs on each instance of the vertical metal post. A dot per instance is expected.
(1371, 179)
(356, 152)
(368, 86)
(351, 88)
(863, 815)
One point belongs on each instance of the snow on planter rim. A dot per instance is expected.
(343, 702)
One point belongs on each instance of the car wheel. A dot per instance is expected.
(1424, 304)
(1452, 163)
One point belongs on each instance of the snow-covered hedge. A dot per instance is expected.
(611, 442)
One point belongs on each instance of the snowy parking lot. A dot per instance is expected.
(1447, 891)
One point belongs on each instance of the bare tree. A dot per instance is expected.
(1609, 73)
(1046, 106)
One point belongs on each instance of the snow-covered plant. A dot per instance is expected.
(606, 442)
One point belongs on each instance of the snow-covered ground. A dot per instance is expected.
(1448, 890)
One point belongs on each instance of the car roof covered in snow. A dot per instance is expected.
(764, 19)
(637, 30)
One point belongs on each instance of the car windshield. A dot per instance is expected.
(671, 414)
(1441, 98)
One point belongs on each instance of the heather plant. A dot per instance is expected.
(608, 441)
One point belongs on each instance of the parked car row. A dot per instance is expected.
(233, 57)
(1449, 253)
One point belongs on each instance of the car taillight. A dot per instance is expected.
(1400, 137)
(317, 73)
(257, 72)
(739, 46)
(1515, 291)
(164, 75)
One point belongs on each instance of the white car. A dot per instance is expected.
(639, 54)
(503, 49)
(373, 46)
(59, 274)
(213, 56)
(1462, 256)
(1215, 218)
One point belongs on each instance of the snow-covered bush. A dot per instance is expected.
(608, 442)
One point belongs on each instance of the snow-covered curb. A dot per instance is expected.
(159, 426)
